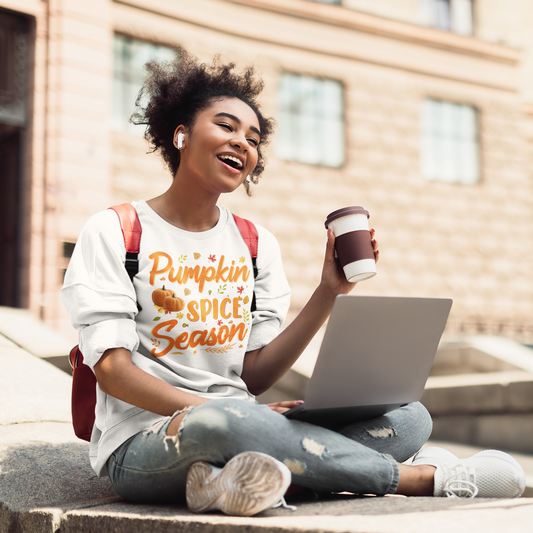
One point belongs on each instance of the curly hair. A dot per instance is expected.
(178, 90)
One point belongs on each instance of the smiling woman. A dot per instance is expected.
(177, 91)
(179, 351)
(220, 150)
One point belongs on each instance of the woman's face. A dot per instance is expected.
(220, 150)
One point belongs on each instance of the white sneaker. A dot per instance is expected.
(487, 474)
(248, 484)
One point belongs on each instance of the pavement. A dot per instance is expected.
(47, 485)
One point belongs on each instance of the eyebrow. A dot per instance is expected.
(237, 120)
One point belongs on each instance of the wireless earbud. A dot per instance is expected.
(181, 136)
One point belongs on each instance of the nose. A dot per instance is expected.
(239, 142)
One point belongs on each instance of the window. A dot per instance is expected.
(311, 127)
(130, 56)
(449, 15)
(449, 142)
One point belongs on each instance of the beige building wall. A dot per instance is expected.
(66, 172)
(468, 242)
(403, 10)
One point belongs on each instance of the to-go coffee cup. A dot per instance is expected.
(353, 242)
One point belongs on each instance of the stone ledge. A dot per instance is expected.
(32, 389)
(338, 515)
(44, 465)
(43, 341)
(48, 486)
(511, 432)
(471, 394)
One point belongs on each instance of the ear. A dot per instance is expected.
(180, 129)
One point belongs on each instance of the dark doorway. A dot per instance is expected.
(9, 208)
(13, 123)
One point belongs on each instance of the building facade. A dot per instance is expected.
(419, 110)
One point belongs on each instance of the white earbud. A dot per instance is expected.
(181, 136)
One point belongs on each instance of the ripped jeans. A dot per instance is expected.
(152, 467)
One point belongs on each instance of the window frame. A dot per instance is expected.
(283, 134)
(441, 141)
(428, 10)
(120, 99)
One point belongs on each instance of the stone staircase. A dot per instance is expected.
(47, 485)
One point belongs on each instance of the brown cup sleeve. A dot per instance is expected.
(354, 246)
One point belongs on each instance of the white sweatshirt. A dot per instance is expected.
(195, 335)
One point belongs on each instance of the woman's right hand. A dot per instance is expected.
(281, 407)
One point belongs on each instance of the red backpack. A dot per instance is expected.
(83, 378)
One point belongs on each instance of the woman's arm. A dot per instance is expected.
(264, 367)
(120, 378)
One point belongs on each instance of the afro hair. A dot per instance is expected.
(176, 91)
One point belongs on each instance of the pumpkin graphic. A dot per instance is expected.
(159, 295)
(173, 303)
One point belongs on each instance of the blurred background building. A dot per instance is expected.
(419, 110)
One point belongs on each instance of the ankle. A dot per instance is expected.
(416, 480)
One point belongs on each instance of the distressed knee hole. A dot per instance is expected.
(296, 467)
(173, 440)
(234, 411)
(382, 433)
(313, 447)
(154, 428)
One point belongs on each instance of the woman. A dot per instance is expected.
(180, 354)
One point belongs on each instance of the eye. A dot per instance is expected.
(226, 125)
(253, 141)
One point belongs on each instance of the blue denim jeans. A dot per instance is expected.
(152, 467)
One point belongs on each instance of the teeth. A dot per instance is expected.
(231, 158)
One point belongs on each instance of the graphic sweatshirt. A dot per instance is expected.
(195, 291)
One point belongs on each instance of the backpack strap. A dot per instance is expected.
(251, 238)
(131, 230)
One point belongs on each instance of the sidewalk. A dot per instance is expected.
(47, 485)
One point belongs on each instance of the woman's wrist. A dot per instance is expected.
(324, 298)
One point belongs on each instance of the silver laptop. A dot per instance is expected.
(375, 357)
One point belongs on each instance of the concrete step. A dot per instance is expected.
(33, 335)
(47, 485)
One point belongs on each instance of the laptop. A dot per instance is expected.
(375, 357)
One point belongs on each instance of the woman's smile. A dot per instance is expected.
(234, 161)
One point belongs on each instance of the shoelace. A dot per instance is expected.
(455, 484)
(285, 505)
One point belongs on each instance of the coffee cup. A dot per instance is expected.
(353, 242)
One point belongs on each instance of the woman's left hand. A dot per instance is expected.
(333, 277)
(281, 407)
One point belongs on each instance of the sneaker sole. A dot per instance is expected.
(250, 483)
(511, 460)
